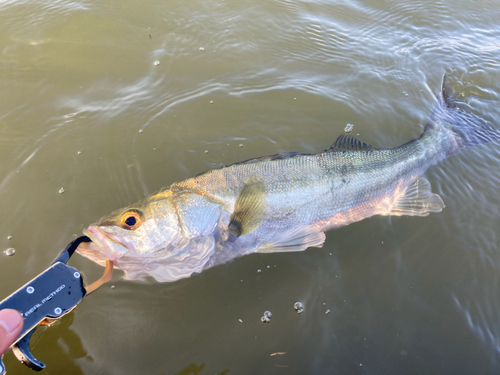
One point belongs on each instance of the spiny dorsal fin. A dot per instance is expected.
(250, 208)
(280, 155)
(349, 143)
(417, 200)
(297, 239)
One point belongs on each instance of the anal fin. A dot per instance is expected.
(297, 239)
(417, 200)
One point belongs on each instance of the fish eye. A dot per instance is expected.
(132, 219)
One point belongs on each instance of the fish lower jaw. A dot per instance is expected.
(103, 244)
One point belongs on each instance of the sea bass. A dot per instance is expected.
(283, 202)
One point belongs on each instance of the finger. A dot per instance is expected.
(11, 324)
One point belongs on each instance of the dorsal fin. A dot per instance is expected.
(349, 143)
(280, 155)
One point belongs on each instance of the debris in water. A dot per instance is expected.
(61, 190)
(241, 321)
(299, 307)
(348, 128)
(157, 63)
(79, 153)
(277, 353)
(9, 237)
(150, 36)
(327, 312)
(10, 251)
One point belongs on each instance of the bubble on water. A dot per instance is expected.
(266, 318)
(259, 271)
(141, 131)
(79, 153)
(61, 190)
(299, 307)
(10, 251)
(348, 128)
(202, 48)
(157, 63)
(241, 145)
(405, 93)
(206, 151)
(211, 102)
(327, 312)
(113, 287)
(9, 237)
(268, 266)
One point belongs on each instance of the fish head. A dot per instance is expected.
(164, 238)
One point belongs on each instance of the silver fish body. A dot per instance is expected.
(283, 202)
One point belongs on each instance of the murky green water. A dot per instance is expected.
(406, 295)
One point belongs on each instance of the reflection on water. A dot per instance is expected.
(85, 108)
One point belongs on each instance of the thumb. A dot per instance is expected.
(11, 324)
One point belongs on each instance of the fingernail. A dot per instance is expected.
(10, 319)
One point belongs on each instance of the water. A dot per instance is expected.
(407, 295)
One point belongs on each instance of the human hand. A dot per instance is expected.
(11, 324)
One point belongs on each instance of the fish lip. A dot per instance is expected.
(107, 244)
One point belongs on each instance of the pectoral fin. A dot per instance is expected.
(417, 200)
(250, 209)
(297, 239)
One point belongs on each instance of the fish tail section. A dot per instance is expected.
(465, 129)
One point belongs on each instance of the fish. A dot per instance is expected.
(280, 203)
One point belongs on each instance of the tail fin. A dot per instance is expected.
(468, 129)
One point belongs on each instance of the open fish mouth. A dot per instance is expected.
(103, 246)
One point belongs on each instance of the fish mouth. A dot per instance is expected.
(103, 245)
